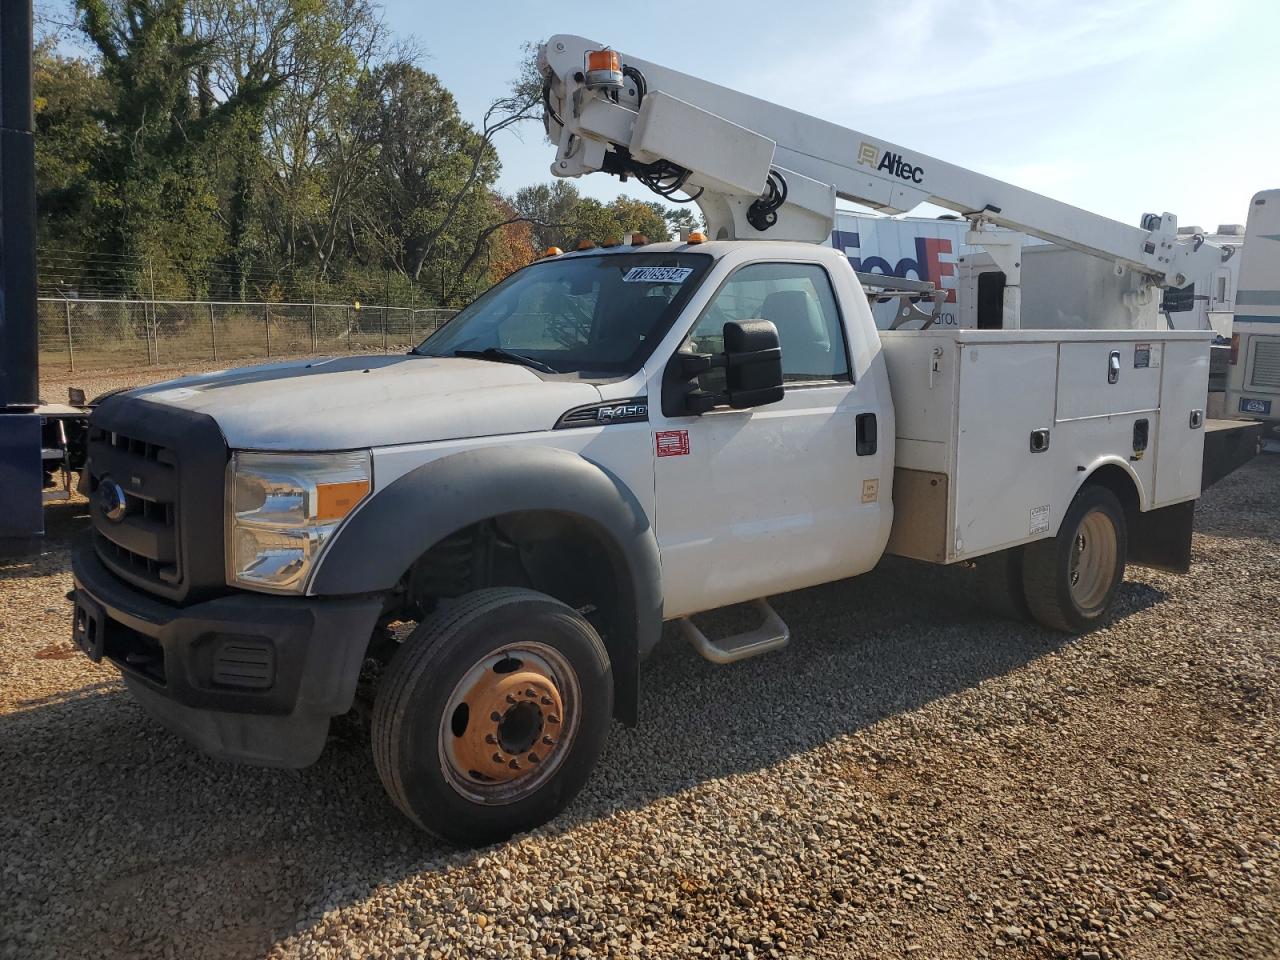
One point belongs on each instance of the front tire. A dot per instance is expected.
(1070, 581)
(491, 715)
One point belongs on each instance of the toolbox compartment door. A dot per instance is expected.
(1002, 485)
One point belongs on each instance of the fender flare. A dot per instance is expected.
(399, 523)
(1111, 460)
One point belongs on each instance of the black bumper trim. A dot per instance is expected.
(169, 657)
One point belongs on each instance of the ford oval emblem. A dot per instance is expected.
(111, 500)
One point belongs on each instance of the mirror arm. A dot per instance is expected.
(695, 364)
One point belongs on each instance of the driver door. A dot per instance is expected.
(770, 499)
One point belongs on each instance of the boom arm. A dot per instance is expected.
(761, 170)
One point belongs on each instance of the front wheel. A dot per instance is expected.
(1070, 581)
(491, 715)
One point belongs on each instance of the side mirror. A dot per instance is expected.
(752, 364)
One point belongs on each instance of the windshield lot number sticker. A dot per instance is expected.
(657, 274)
(1039, 519)
(672, 443)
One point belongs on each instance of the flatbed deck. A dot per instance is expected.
(1228, 445)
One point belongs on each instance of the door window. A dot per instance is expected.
(798, 299)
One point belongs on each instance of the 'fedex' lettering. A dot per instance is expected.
(926, 265)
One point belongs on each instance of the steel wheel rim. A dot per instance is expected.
(1093, 560)
(509, 723)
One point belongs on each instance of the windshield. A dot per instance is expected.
(596, 315)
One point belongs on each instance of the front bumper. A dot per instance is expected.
(245, 677)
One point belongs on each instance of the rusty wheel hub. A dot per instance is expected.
(508, 723)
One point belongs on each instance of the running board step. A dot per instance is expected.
(772, 634)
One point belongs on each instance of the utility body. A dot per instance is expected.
(605, 441)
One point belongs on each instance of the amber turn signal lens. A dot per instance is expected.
(335, 500)
(552, 252)
(697, 237)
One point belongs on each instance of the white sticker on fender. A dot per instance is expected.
(1039, 519)
(657, 274)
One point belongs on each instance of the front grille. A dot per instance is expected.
(155, 485)
(1266, 363)
(144, 540)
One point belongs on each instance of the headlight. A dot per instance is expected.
(283, 508)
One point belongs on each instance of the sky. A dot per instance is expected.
(1118, 106)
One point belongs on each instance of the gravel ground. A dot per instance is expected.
(909, 778)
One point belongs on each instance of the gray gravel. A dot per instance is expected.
(910, 778)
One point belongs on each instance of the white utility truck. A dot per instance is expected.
(1253, 380)
(614, 438)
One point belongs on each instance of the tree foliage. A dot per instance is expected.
(247, 149)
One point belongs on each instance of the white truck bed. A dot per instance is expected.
(967, 481)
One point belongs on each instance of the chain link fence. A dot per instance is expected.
(89, 335)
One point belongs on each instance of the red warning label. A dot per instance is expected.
(672, 443)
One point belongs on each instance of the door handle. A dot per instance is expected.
(1113, 367)
(1040, 440)
(865, 442)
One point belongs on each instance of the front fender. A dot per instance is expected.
(391, 530)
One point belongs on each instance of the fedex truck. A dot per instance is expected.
(935, 250)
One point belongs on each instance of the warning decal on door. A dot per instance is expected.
(672, 443)
(1039, 519)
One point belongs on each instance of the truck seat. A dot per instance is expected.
(806, 347)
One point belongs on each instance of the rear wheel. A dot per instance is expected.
(1070, 581)
(491, 715)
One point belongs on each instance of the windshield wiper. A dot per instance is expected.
(506, 356)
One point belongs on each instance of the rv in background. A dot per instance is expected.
(1253, 383)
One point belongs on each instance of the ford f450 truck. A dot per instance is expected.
(605, 441)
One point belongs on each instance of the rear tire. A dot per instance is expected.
(491, 715)
(1071, 580)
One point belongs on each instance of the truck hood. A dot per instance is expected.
(352, 402)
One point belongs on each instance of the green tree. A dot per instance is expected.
(70, 96)
(316, 165)
(550, 209)
(152, 172)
